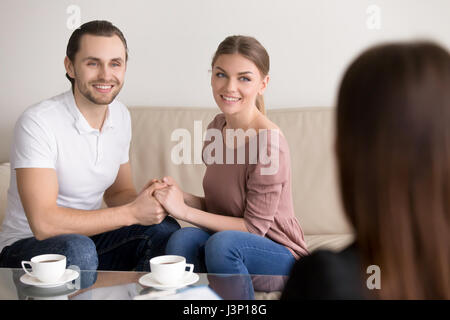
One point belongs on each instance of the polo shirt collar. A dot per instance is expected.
(80, 121)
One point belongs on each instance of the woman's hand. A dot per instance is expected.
(170, 181)
(172, 199)
(159, 185)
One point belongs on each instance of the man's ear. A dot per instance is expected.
(69, 67)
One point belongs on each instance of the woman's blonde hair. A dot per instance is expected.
(251, 49)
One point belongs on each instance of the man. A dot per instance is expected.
(69, 153)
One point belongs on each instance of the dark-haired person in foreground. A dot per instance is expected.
(393, 154)
(69, 153)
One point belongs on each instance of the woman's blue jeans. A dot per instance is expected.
(230, 252)
(127, 248)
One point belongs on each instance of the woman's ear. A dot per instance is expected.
(264, 84)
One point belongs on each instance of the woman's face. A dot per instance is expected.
(236, 82)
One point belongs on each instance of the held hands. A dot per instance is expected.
(146, 210)
(171, 198)
(157, 199)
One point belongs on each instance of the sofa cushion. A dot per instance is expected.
(333, 242)
(4, 185)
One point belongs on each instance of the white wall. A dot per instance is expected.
(172, 41)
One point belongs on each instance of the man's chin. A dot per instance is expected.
(102, 100)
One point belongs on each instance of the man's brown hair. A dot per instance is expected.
(95, 28)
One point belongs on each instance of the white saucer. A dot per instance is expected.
(188, 278)
(69, 275)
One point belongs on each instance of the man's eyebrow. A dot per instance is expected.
(98, 59)
(240, 73)
(91, 58)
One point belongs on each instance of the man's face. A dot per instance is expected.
(98, 68)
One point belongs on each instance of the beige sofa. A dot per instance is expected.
(309, 131)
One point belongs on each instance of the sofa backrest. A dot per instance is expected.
(310, 134)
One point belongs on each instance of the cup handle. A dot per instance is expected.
(190, 266)
(25, 269)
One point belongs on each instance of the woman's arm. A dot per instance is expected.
(194, 201)
(174, 202)
(190, 199)
(211, 221)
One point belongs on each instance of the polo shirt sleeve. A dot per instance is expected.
(33, 145)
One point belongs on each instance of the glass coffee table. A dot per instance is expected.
(125, 285)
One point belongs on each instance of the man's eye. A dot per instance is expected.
(244, 79)
(92, 64)
(220, 75)
(116, 64)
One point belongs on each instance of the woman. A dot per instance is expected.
(246, 219)
(393, 154)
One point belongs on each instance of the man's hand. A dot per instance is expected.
(172, 199)
(145, 209)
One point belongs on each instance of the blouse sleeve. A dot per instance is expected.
(265, 182)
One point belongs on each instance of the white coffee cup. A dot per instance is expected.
(169, 269)
(47, 268)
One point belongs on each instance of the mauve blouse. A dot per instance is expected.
(241, 189)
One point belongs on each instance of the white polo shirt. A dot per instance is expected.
(54, 134)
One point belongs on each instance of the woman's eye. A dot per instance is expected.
(220, 75)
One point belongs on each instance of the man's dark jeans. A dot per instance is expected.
(124, 249)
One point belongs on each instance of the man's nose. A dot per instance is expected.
(105, 72)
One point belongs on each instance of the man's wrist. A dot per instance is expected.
(128, 213)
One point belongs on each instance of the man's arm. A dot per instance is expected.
(38, 190)
(122, 191)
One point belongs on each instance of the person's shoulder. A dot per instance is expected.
(326, 274)
(218, 122)
(320, 260)
(118, 106)
(43, 110)
(264, 125)
(120, 110)
(328, 261)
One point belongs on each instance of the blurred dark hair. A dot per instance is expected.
(95, 28)
(393, 152)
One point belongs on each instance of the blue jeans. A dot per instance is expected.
(230, 252)
(127, 248)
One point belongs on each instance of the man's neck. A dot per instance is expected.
(95, 114)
